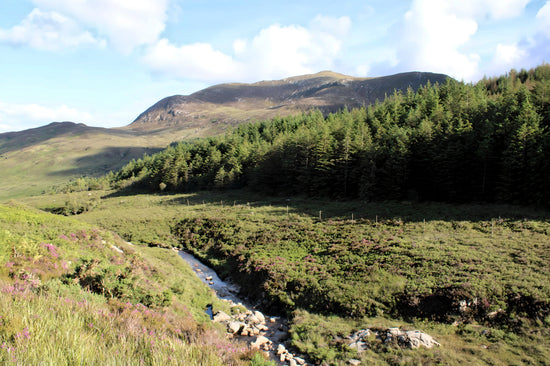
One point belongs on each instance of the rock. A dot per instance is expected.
(281, 349)
(260, 341)
(260, 317)
(234, 326)
(210, 283)
(208, 278)
(273, 320)
(299, 360)
(293, 362)
(262, 328)
(221, 317)
(252, 319)
(282, 358)
(354, 362)
(415, 339)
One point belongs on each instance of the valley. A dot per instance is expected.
(414, 230)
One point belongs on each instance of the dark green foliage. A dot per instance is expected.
(387, 266)
(454, 142)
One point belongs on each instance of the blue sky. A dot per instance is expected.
(103, 62)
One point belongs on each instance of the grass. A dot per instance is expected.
(70, 296)
(384, 266)
(35, 160)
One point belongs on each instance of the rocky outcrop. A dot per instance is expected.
(259, 332)
(364, 339)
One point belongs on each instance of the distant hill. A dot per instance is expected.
(230, 104)
(35, 159)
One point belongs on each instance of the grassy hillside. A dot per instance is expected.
(32, 161)
(474, 277)
(76, 294)
(232, 104)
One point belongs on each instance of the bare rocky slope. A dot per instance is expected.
(229, 104)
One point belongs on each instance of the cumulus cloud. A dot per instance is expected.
(15, 117)
(436, 33)
(431, 37)
(126, 24)
(543, 20)
(275, 52)
(48, 31)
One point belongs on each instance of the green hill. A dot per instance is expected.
(76, 294)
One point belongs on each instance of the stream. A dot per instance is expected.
(275, 328)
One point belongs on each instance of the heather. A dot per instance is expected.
(75, 294)
(475, 277)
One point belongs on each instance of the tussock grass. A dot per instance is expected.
(373, 267)
(68, 295)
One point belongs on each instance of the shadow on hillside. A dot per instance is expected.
(11, 141)
(348, 209)
(108, 159)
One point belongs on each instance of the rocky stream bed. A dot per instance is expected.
(269, 333)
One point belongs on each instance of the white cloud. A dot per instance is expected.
(127, 24)
(436, 35)
(431, 37)
(14, 117)
(194, 61)
(543, 20)
(47, 31)
(275, 52)
(494, 9)
(508, 56)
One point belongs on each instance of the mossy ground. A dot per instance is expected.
(370, 264)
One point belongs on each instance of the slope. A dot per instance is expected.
(234, 103)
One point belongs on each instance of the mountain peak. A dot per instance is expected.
(233, 103)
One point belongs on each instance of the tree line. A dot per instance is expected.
(454, 142)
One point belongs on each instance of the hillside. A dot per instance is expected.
(38, 158)
(453, 142)
(33, 160)
(76, 294)
(231, 104)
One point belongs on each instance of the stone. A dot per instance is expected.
(252, 319)
(354, 362)
(234, 326)
(293, 362)
(300, 360)
(273, 320)
(208, 278)
(221, 317)
(260, 341)
(281, 349)
(260, 317)
(415, 338)
(282, 358)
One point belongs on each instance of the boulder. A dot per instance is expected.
(221, 317)
(260, 341)
(281, 349)
(252, 319)
(260, 317)
(415, 338)
(354, 362)
(235, 326)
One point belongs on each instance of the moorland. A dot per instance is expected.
(427, 210)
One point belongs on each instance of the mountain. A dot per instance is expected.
(229, 104)
(35, 159)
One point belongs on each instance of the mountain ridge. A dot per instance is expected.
(234, 103)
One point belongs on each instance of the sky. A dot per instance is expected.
(103, 62)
